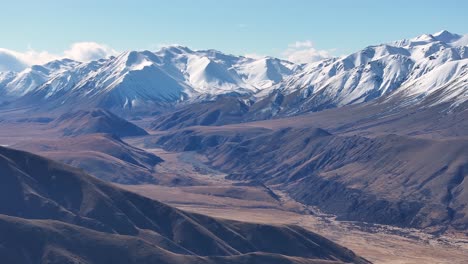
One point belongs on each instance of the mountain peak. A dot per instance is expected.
(135, 60)
(176, 49)
(58, 64)
(443, 31)
(442, 36)
(424, 37)
(446, 36)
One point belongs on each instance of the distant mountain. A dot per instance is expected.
(53, 213)
(408, 69)
(144, 81)
(403, 76)
(16, 84)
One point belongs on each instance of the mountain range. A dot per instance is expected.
(412, 70)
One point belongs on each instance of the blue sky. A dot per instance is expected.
(238, 27)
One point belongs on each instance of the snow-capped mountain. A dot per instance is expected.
(144, 78)
(28, 80)
(412, 69)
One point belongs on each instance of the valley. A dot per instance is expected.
(377, 243)
(187, 181)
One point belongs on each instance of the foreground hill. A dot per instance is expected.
(85, 220)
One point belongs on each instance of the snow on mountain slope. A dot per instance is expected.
(421, 65)
(26, 81)
(207, 75)
(210, 72)
(141, 78)
(131, 77)
(266, 72)
(6, 77)
(450, 79)
(413, 68)
(448, 38)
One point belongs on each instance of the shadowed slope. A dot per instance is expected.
(102, 155)
(37, 188)
(56, 243)
(389, 179)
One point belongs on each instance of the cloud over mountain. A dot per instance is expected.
(11, 60)
(305, 52)
(88, 51)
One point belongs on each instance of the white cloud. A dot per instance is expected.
(88, 51)
(16, 61)
(304, 52)
(301, 44)
(11, 60)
